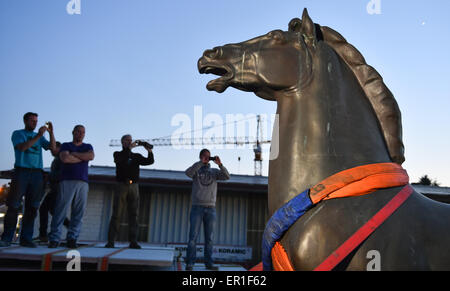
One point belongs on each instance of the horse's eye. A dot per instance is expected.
(277, 35)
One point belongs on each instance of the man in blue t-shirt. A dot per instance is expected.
(27, 179)
(73, 188)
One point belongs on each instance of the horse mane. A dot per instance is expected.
(380, 97)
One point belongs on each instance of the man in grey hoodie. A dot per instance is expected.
(204, 192)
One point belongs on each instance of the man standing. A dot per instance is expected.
(27, 179)
(73, 188)
(204, 192)
(48, 204)
(127, 193)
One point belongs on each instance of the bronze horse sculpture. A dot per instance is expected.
(335, 113)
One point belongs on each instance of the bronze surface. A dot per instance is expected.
(335, 113)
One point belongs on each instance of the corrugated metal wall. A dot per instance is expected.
(241, 218)
(231, 219)
(169, 217)
(258, 214)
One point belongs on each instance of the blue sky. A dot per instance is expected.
(130, 66)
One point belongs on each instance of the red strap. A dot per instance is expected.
(258, 267)
(46, 264)
(358, 237)
(104, 261)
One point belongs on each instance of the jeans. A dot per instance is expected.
(127, 195)
(28, 182)
(72, 193)
(200, 214)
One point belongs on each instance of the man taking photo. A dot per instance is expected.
(27, 179)
(203, 209)
(127, 193)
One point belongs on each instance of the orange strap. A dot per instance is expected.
(359, 181)
(280, 259)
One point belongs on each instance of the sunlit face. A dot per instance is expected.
(31, 122)
(126, 141)
(78, 133)
(205, 157)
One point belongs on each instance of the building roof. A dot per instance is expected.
(432, 190)
(107, 174)
(177, 175)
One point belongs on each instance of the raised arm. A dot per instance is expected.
(52, 147)
(223, 174)
(28, 144)
(192, 170)
(149, 160)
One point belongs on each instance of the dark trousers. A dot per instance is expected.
(48, 206)
(126, 195)
(28, 183)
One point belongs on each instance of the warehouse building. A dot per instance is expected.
(164, 211)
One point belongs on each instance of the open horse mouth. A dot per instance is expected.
(209, 67)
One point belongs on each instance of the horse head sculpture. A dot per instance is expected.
(334, 113)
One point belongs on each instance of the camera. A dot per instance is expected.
(212, 158)
(144, 144)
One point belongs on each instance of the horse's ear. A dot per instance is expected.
(307, 27)
(295, 25)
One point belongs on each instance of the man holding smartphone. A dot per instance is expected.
(27, 179)
(203, 209)
(127, 194)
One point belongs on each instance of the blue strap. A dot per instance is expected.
(280, 222)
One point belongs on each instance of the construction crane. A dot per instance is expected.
(257, 148)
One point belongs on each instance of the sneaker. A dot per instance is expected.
(53, 244)
(188, 268)
(27, 244)
(212, 268)
(109, 245)
(134, 245)
(72, 244)
(4, 244)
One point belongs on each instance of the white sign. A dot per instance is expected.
(224, 253)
